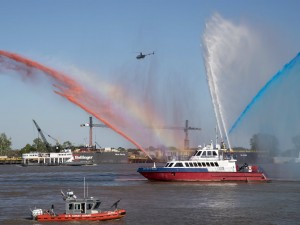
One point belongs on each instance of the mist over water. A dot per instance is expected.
(239, 62)
(278, 81)
(162, 98)
(275, 108)
(134, 99)
(97, 105)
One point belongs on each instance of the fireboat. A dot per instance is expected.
(210, 163)
(76, 209)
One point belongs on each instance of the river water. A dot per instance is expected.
(22, 188)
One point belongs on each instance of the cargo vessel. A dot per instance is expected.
(100, 156)
(211, 163)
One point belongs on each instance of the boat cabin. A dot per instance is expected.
(81, 206)
(210, 157)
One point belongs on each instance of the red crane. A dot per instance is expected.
(91, 125)
(186, 131)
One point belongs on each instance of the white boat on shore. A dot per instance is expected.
(64, 157)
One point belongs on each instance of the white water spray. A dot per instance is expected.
(229, 50)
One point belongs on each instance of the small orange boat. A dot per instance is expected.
(85, 209)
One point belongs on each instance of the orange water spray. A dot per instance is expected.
(66, 87)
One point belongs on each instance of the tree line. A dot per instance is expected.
(37, 145)
(263, 143)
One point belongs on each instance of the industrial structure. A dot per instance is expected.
(91, 125)
(48, 146)
(186, 129)
(42, 136)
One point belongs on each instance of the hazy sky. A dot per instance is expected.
(100, 39)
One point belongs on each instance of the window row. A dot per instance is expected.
(206, 153)
(193, 164)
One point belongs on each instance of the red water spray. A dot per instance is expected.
(66, 87)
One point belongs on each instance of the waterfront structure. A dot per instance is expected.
(47, 158)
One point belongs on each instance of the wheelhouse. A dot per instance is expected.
(82, 206)
(210, 157)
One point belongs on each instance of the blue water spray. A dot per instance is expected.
(267, 86)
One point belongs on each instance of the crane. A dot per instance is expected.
(91, 125)
(56, 141)
(185, 129)
(97, 144)
(57, 147)
(43, 136)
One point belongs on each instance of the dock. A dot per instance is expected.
(10, 160)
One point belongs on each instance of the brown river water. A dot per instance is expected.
(24, 188)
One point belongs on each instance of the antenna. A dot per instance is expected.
(216, 131)
(84, 187)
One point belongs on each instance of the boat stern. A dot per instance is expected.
(35, 213)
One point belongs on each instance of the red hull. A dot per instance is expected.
(110, 215)
(205, 176)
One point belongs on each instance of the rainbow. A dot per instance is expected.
(110, 106)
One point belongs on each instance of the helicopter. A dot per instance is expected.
(141, 55)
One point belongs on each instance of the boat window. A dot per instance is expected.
(89, 206)
(70, 206)
(199, 164)
(187, 165)
(215, 153)
(77, 206)
(209, 153)
(203, 164)
(179, 164)
(82, 207)
(207, 164)
(216, 164)
(195, 164)
(191, 164)
(212, 164)
(167, 165)
(171, 164)
(198, 153)
(203, 154)
(97, 205)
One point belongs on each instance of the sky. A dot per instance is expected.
(96, 42)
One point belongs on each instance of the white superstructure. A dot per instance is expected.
(212, 158)
(48, 158)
